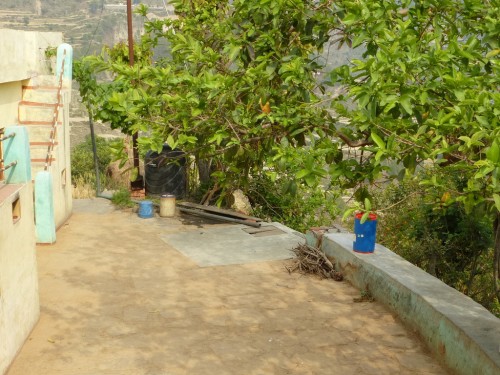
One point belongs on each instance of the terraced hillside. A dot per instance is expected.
(88, 25)
(85, 24)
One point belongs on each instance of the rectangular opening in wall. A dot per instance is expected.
(63, 177)
(16, 210)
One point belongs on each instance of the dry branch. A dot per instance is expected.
(312, 260)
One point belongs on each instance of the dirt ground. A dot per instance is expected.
(116, 299)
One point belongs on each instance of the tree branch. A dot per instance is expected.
(351, 143)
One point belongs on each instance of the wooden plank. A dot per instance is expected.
(219, 211)
(220, 217)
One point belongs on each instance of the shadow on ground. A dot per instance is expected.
(117, 299)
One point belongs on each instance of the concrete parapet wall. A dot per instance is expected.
(460, 332)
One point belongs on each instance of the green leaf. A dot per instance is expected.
(302, 173)
(171, 142)
(496, 198)
(363, 99)
(310, 180)
(376, 138)
(134, 173)
(350, 19)
(368, 204)
(348, 213)
(405, 102)
(493, 53)
(365, 217)
(234, 50)
(493, 153)
(379, 155)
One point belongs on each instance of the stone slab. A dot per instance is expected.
(92, 206)
(232, 244)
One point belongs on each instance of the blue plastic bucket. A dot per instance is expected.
(145, 209)
(365, 234)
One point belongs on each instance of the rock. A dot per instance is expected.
(241, 203)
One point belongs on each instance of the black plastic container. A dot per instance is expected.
(165, 172)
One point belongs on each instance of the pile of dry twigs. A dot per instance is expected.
(312, 260)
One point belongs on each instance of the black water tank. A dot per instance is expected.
(165, 172)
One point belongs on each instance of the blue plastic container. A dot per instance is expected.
(365, 234)
(146, 209)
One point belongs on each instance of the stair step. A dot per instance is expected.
(43, 144)
(39, 104)
(40, 152)
(38, 123)
(40, 87)
(40, 136)
(44, 80)
(40, 95)
(37, 113)
(42, 160)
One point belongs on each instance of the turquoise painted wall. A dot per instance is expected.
(17, 149)
(44, 208)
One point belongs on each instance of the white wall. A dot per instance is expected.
(23, 53)
(23, 58)
(19, 301)
(10, 95)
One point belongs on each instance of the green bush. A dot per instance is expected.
(444, 240)
(82, 161)
(82, 158)
(121, 198)
(305, 208)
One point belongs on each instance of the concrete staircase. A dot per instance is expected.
(41, 112)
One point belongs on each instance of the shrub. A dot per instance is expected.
(82, 157)
(121, 198)
(444, 240)
(82, 163)
(305, 208)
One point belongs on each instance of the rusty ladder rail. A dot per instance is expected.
(3, 167)
(10, 165)
(55, 117)
(4, 138)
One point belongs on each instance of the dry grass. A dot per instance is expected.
(83, 188)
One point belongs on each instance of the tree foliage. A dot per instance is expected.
(239, 87)
(426, 94)
(240, 90)
(427, 88)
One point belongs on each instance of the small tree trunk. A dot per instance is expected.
(204, 170)
(496, 258)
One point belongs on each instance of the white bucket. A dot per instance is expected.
(167, 205)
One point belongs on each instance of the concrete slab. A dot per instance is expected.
(233, 244)
(94, 206)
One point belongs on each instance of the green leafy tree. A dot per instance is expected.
(426, 95)
(238, 91)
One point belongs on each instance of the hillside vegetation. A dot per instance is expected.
(86, 24)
